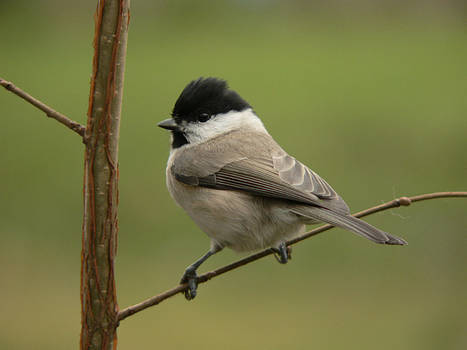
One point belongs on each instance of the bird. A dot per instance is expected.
(238, 184)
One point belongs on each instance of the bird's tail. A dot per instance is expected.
(350, 223)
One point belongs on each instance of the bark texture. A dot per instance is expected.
(99, 308)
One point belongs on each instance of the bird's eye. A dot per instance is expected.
(204, 117)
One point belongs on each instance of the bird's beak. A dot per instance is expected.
(168, 124)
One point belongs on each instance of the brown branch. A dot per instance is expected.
(99, 307)
(402, 201)
(51, 113)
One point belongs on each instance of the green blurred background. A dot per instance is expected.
(370, 94)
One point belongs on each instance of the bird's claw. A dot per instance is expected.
(191, 278)
(282, 253)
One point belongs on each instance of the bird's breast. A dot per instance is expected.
(235, 219)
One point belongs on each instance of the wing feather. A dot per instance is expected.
(256, 165)
(295, 173)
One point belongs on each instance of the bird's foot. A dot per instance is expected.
(191, 278)
(282, 253)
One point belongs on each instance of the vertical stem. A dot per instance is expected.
(99, 306)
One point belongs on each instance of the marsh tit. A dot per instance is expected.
(238, 185)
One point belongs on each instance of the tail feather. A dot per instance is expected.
(350, 223)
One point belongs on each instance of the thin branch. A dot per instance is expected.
(76, 127)
(402, 201)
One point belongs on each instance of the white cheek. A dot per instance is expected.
(223, 123)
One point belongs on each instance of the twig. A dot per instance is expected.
(402, 201)
(76, 127)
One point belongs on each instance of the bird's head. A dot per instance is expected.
(207, 108)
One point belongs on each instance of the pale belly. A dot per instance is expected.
(236, 219)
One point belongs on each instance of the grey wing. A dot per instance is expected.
(259, 166)
(306, 180)
(257, 177)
